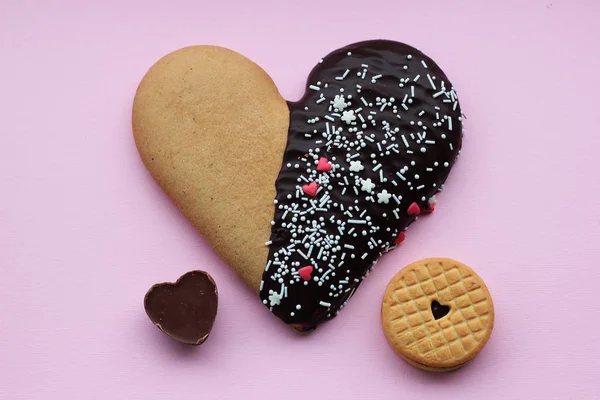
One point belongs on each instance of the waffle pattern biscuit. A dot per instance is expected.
(437, 314)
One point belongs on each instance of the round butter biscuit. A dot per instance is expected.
(437, 314)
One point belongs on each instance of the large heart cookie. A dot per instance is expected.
(300, 198)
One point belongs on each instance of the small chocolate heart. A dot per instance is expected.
(184, 310)
(438, 310)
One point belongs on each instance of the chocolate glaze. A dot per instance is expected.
(185, 310)
(414, 167)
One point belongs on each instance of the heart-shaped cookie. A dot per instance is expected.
(316, 189)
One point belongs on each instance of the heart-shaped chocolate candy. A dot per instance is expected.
(368, 146)
(185, 310)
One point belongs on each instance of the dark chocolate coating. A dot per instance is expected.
(414, 138)
(185, 310)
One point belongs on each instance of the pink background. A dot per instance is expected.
(84, 231)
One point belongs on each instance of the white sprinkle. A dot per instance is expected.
(396, 214)
(416, 78)
(348, 246)
(421, 113)
(357, 221)
(324, 304)
(420, 187)
(313, 87)
(412, 91)
(343, 191)
(364, 256)
(303, 255)
(377, 76)
(369, 139)
(441, 92)
(451, 147)
(364, 102)
(396, 199)
(322, 99)
(268, 243)
(450, 123)
(404, 140)
(381, 176)
(376, 167)
(329, 118)
(431, 82)
(262, 283)
(404, 106)
(401, 176)
(423, 62)
(363, 74)
(268, 265)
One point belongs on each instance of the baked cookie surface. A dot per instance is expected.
(207, 123)
(437, 314)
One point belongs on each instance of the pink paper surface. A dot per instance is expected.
(85, 231)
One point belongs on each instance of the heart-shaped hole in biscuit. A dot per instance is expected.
(438, 310)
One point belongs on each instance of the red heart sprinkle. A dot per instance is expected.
(323, 165)
(430, 209)
(414, 209)
(310, 189)
(400, 238)
(305, 272)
